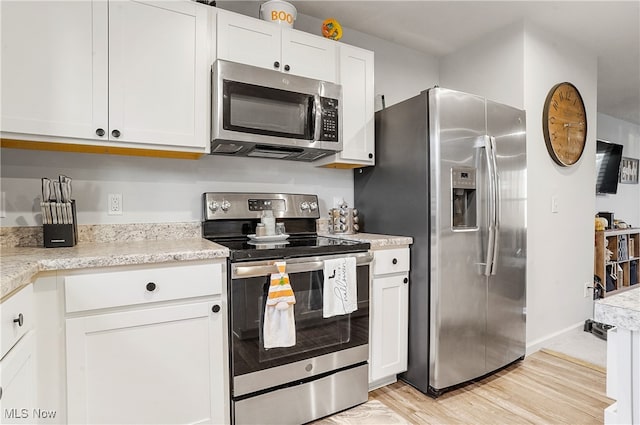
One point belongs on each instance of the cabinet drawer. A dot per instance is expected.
(391, 261)
(92, 291)
(17, 309)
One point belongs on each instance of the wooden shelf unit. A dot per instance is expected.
(622, 271)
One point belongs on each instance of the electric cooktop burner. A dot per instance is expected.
(229, 217)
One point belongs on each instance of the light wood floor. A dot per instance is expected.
(542, 389)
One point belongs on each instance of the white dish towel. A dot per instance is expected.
(340, 294)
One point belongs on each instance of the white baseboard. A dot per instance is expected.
(536, 345)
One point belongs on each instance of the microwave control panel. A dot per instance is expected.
(329, 131)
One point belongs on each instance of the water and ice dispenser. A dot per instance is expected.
(463, 198)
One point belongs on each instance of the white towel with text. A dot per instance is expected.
(340, 294)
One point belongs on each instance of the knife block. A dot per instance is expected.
(62, 235)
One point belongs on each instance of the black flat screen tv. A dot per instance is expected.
(608, 157)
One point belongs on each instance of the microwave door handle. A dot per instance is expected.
(316, 112)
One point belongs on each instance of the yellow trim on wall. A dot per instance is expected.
(110, 150)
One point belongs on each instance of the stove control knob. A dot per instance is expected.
(304, 206)
(213, 206)
(355, 219)
(343, 227)
(225, 205)
(313, 206)
(356, 227)
(354, 212)
(343, 219)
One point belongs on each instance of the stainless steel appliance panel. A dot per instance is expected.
(458, 287)
(506, 322)
(393, 198)
(467, 291)
(300, 404)
(269, 117)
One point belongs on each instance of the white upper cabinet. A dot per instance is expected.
(355, 74)
(309, 55)
(157, 87)
(118, 73)
(267, 45)
(54, 68)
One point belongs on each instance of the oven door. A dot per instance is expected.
(322, 345)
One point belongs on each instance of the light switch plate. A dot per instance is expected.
(554, 204)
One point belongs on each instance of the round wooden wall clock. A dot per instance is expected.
(564, 123)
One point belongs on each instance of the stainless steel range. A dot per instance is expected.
(326, 370)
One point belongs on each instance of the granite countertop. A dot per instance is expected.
(19, 265)
(376, 241)
(622, 310)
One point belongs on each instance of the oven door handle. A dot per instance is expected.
(294, 265)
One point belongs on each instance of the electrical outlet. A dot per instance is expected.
(114, 204)
(588, 286)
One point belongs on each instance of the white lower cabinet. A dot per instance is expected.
(18, 384)
(148, 362)
(147, 366)
(389, 316)
(17, 359)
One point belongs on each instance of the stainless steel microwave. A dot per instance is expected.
(258, 112)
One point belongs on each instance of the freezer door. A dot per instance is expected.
(505, 337)
(458, 286)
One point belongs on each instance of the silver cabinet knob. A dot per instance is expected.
(225, 205)
(213, 206)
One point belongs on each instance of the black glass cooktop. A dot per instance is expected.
(243, 249)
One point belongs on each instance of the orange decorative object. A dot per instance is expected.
(331, 29)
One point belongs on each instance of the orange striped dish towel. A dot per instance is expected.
(280, 292)
(279, 327)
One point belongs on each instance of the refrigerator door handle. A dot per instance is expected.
(491, 240)
(496, 206)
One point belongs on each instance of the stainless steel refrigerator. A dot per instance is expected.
(451, 172)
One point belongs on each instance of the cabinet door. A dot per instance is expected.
(356, 78)
(389, 331)
(248, 40)
(54, 68)
(147, 366)
(355, 74)
(158, 73)
(308, 55)
(18, 384)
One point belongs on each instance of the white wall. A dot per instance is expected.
(560, 245)
(169, 190)
(625, 204)
(492, 67)
(156, 190)
(518, 65)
